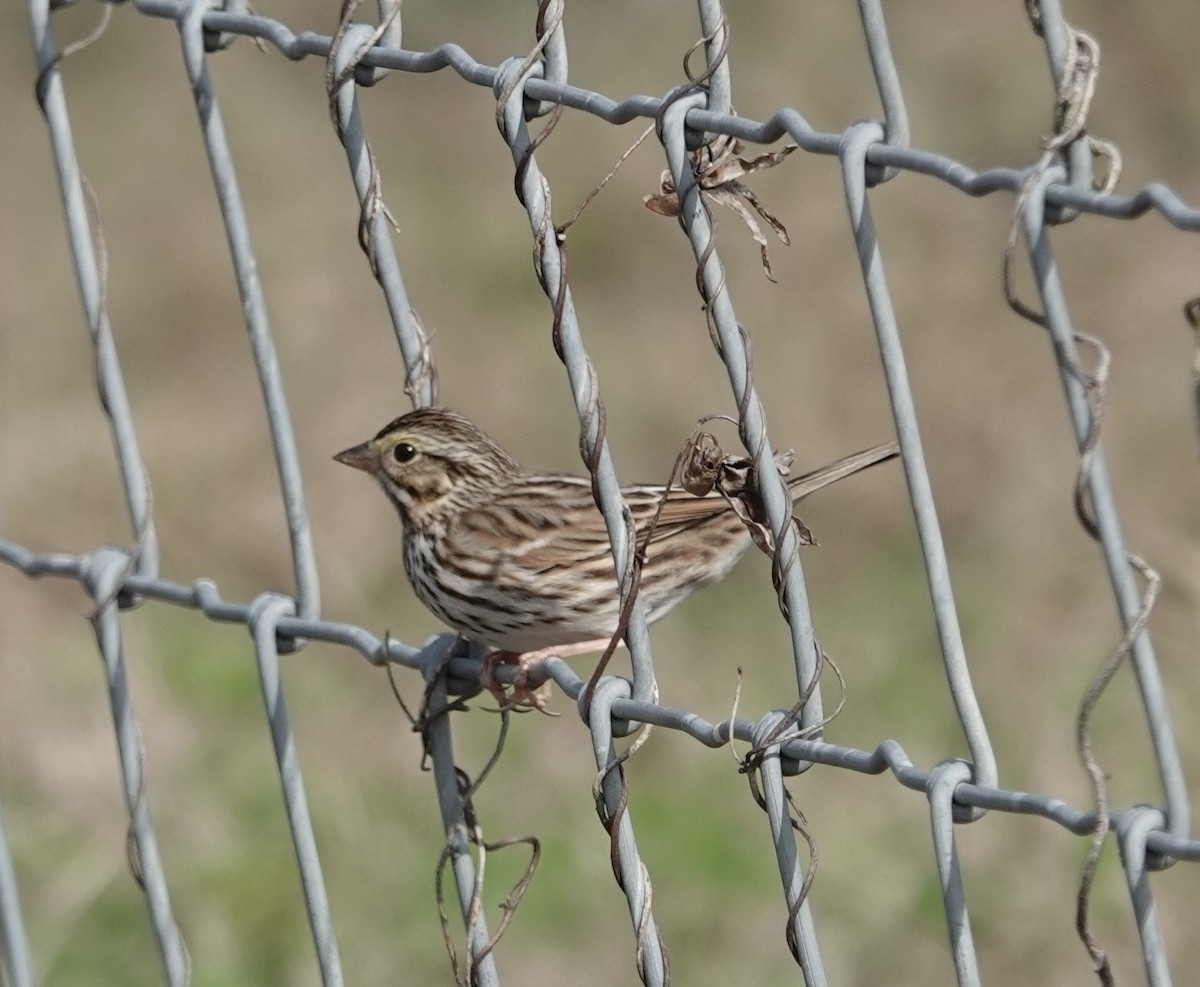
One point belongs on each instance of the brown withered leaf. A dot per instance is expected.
(719, 169)
(706, 468)
(702, 464)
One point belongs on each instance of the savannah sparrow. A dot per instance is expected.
(521, 561)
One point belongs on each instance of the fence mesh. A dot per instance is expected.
(709, 165)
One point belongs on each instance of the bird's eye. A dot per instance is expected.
(402, 452)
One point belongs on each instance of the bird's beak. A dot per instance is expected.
(359, 456)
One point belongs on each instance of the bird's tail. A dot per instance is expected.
(802, 486)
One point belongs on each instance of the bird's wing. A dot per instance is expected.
(551, 521)
(547, 523)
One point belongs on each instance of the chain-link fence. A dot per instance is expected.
(708, 166)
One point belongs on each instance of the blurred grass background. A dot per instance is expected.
(1033, 595)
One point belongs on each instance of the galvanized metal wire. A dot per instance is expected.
(527, 87)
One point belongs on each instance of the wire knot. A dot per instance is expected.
(266, 610)
(509, 87)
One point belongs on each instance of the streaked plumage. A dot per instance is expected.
(521, 561)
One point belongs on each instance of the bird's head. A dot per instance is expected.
(432, 461)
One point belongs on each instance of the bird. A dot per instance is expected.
(521, 561)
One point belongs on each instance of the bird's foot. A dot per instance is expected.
(520, 697)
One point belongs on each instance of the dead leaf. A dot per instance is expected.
(706, 468)
(719, 169)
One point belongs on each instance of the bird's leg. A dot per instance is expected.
(521, 696)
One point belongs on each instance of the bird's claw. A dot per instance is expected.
(519, 698)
